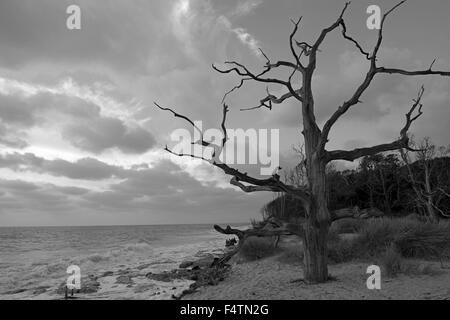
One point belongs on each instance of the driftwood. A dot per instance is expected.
(273, 227)
(269, 228)
(355, 213)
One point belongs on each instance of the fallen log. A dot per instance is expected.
(276, 229)
(273, 227)
(355, 213)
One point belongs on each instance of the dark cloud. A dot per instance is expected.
(19, 196)
(162, 192)
(74, 191)
(11, 137)
(84, 126)
(98, 135)
(87, 168)
(16, 111)
(167, 189)
(113, 33)
(18, 186)
(164, 187)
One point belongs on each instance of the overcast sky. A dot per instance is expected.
(81, 142)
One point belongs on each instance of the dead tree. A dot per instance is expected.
(428, 193)
(312, 196)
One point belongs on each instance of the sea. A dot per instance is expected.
(34, 260)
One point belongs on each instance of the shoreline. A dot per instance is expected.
(271, 278)
(147, 280)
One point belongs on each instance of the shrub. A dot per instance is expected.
(342, 250)
(347, 225)
(388, 239)
(378, 234)
(426, 240)
(392, 261)
(411, 238)
(415, 268)
(255, 248)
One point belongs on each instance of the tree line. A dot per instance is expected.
(400, 183)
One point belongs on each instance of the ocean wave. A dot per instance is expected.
(96, 258)
(139, 247)
(138, 254)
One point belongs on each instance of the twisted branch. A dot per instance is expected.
(373, 70)
(271, 184)
(402, 142)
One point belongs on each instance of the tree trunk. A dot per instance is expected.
(386, 194)
(432, 214)
(315, 252)
(317, 215)
(317, 223)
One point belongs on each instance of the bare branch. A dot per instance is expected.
(243, 234)
(270, 184)
(282, 63)
(238, 86)
(362, 88)
(373, 70)
(224, 129)
(409, 116)
(324, 33)
(413, 73)
(291, 45)
(271, 99)
(440, 210)
(356, 43)
(444, 192)
(362, 152)
(234, 181)
(402, 142)
(177, 115)
(247, 75)
(279, 229)
(380, 32)
(185, 154)
(244, 72)
(345, 106)
(367, 80)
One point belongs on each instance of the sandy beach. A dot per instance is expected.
(274, 279)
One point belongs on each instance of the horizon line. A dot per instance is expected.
(121, 225)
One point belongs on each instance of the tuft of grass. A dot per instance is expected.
(412, 238)
(378, 234)
(415, 268)
(347, 225)
(255, 248)
(392, 261)
(342, 250)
